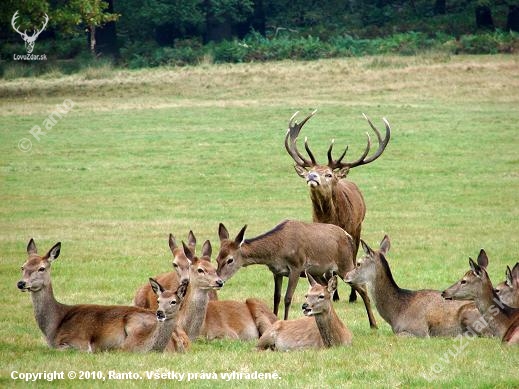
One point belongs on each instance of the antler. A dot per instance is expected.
(292, 133)
(13, 21)
(382, 143)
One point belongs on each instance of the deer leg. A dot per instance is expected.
(367, 303)
(293, 278)
(353, 296)
(278, 283)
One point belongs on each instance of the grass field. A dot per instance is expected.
(145, 153)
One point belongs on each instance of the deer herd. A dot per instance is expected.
(177, 307)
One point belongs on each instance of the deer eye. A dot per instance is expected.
(200, 270)
(23, 268)
(41, 269)
(328, 175)
(175, 265)
(463, 282)
(230, 260)
(173, 302)
(321, 297)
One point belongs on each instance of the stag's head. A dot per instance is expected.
(29, 39)
(36, 270)
(322, 178)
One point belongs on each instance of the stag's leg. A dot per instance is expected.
(367, 303)
(293, 278)
(278, 283)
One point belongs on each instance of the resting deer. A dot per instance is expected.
(321, 328)
(476, 285)
(508, 291)
(421, 313)
(288, 249)
(96, 327)
(210, 319)
(334, 199)
(145, 298)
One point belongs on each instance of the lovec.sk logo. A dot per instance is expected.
(29, 40)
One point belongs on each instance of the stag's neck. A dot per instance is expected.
(163, 332)
(389, 298)
(324, 209)
(193, 311)
(492, 309)
(48, 312)
(333, 331)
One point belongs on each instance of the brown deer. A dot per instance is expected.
(321, 328)
(334, 200)
(476, 286)
(211, 319)
(96, 327)
(508, 291)
(145, 298)
(288, 249)
(420, 313)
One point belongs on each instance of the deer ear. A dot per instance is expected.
(301, 171)
(207, 249)
(182, 289)
(187, 251)
(172, 242)
(385, 245)
(239, 238)
(311, 279)
(332, 284)
(191, 241)
(342, 172)
(157, 288)
(222, 232)
(483, 259)
(366, 248)
(31, 247)
(53, 252)
(475, 268)
(509, 278)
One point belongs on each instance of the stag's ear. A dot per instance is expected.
(385, 245)
(366, 248)
(301, 171)
(172, 242)
(476, 269)
(332, 284)
(53, 252)
(239, 238)
(157, 288)
(222, 232)
(207, 249)
(342, 173)
(483, 259)
(31, 247)
(187, 251)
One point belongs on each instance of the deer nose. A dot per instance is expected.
(161, 316)
(21, 285)
(312, 177)
(304, 307)
(219, 283)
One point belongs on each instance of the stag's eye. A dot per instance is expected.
(328, 175)
(230, 260)
(41, 269)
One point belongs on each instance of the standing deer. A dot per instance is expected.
(421, 313)
(96, 327)
(145, 298)
(211, 319)
(288, 249)
(29, 40)
(320, 328)
(508, 291)
(476, 285)
(334, 200)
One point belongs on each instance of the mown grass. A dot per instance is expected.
(146, 153)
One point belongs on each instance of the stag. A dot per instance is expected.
(334, 200)
(29, 40)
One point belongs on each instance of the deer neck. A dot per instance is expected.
(492, 309)
(331, 328)
(389, 298)
(324, 209)
(193, 311)
(259, 252)
(48, 312)
(162, 335)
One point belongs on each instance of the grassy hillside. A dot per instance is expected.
(144, 153)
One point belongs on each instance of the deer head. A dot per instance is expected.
(229, 258)
(169, 301)
(319, 297)
(323, 177)
(508, 291)
(366, 270)
(471, 285)
(36, 270)
(29, 40)
(182, 255)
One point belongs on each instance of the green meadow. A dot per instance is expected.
(141, 154)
